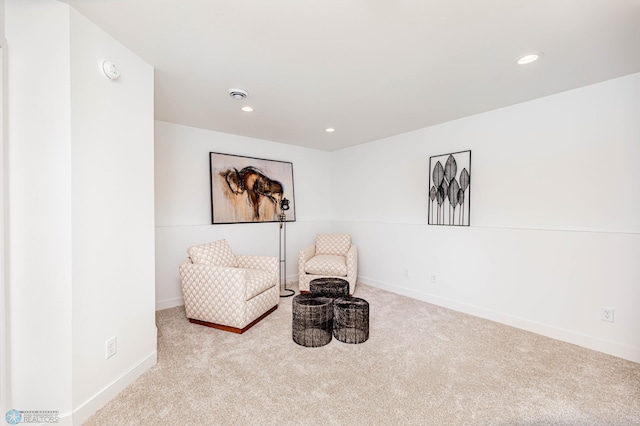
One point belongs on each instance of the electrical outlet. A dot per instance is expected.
(111, 347)
(434, 278)
(606, 314)
(406, 272)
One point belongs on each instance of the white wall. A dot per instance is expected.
(183, 206)
(4, 315)
(555, 217)
(4, 352)
(113, 217)
(39, 204)
(81, 212)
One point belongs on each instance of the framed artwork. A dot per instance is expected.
(450, 189)
(247, 189)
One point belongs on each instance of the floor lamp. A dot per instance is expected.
(282, 250)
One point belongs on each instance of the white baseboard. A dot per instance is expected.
(169, 303)
(590, 342)
(99, 400)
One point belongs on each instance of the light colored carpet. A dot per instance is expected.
(422, 365)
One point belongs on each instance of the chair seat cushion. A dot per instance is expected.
(257, 282)
(327, 264)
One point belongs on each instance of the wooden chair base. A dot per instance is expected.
(233, 329)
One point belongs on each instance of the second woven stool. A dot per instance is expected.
(351, 319)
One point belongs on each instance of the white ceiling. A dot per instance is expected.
(368, 68)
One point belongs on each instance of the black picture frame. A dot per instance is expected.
(449, 190)
(249, 190)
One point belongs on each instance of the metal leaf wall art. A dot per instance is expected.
(450, 189)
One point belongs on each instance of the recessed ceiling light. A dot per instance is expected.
(247, 109)
(329, 130)
(528, 58)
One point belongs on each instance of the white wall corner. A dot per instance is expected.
(82, 413)
(169, 303)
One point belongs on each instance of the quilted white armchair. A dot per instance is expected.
(333, 256)
(227, 291)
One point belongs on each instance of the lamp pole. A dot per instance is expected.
(282, 250)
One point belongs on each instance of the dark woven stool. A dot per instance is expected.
(329, 287)
(351, 319)
(312, 321)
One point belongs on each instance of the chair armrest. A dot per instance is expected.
(200, 280)
(303, 256)
(352, 253)
(352, 264)
(264, 263)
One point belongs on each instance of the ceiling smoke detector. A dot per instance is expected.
(238, 94)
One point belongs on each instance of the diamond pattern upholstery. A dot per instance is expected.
(232, 297)
(326, 264)
(257, 281)
(217, 253)
(333, 244)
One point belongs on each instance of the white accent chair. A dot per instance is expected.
(332, 256)
(226, 291)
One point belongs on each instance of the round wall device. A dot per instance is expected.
(110, 70)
